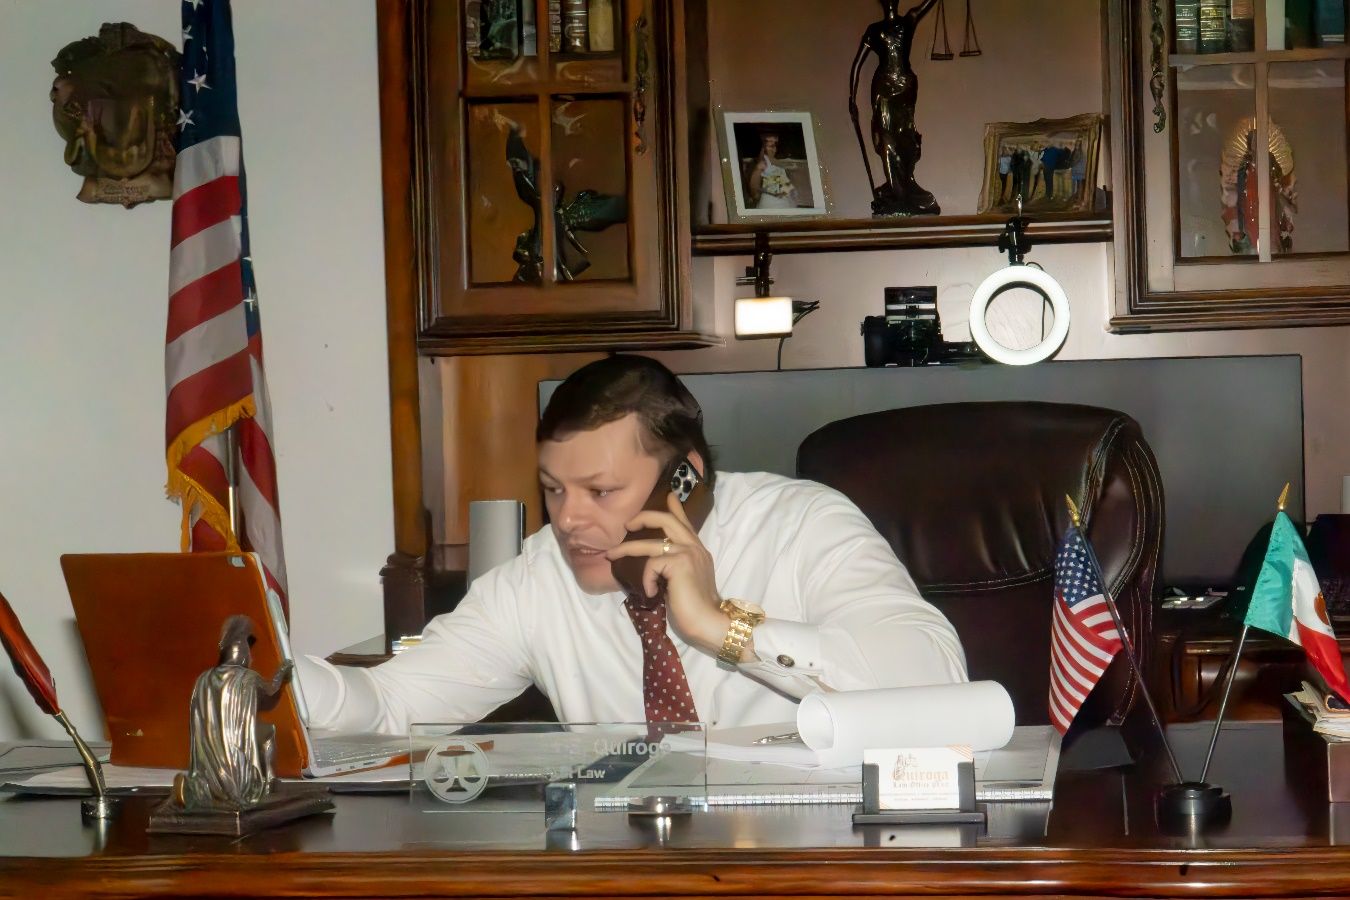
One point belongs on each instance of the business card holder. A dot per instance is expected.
(870, 812)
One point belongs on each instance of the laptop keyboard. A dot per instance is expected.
(351, 748)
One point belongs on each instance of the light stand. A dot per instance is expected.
(765, 315)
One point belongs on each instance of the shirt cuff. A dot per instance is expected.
(792, 647)
(319, 689)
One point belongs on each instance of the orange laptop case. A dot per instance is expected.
(151, 624)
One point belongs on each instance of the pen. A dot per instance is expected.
(778, 738)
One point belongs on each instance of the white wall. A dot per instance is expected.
(82, 333)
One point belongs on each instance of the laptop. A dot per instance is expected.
(151, 623)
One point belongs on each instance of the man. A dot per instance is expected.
(839, 610)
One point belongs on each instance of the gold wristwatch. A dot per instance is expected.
(744, 617)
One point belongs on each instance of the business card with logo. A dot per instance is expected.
(918, 778)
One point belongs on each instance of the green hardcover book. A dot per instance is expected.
(1187, 30)
(1330, 23)
(1213, 26)
(1298, 24)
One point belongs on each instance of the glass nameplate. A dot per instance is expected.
(513, 766)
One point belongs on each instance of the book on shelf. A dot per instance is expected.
(1242, 25)
(554, 25)
(1329, 22)
(1298, 24)
(1187, 28)
(1213, 17)
(1274, 24)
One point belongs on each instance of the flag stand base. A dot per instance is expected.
(1192, 805)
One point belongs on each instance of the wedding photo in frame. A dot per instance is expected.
(1051, 163)
(770, 165)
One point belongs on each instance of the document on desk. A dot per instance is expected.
(740, 771)
(23, 759)
(121, 780)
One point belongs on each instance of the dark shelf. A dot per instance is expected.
(918, 232)
(1301, 54)
(436, 345)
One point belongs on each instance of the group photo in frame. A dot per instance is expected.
(771, 165)
(1050, 163)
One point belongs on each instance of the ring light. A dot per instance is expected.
(1015, 276)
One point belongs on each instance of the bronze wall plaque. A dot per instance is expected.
(115, 102)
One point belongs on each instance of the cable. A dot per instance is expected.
(800, 310)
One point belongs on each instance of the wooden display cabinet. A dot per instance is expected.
(1208, 233)
(543, 183)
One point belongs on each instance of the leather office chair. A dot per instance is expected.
(971, 498)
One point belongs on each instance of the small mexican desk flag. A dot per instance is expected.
(1288, 602)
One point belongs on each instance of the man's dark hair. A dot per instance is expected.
(609, 389)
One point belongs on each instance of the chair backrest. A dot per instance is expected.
(971, 498)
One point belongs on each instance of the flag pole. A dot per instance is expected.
(1233, 667)
(1184, 806)
(1223, 704)
(1124, 639)
(232, 478)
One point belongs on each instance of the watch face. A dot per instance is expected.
(751, 610)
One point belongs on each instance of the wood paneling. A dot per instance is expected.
(490, 409)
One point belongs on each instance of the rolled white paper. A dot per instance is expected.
(840, 725)
(495, 531)
(1345, 494)
(1025, 276)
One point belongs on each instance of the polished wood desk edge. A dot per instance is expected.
(728, 872)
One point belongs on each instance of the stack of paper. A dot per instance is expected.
(1330, 716)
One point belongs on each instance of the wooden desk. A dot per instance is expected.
(1100, 839)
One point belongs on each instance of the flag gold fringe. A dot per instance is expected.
(186, 490)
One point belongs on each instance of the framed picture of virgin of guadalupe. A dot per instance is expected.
(770, 165)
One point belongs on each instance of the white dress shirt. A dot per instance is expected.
(842, 614)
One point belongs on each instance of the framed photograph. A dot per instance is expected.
(770, 165)
(1050, 163)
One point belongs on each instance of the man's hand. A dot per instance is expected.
(686, 565)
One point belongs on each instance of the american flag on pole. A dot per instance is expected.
(1083, 637)
(213, 358)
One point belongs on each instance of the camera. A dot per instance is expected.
(910, 333)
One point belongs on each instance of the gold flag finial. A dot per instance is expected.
(1284, 495)
(1073, 511)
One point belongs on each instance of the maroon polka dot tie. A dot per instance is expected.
(665, 689)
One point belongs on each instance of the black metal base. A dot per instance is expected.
(1192, 804)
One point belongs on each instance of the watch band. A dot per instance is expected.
(738, 635)
(744, 618)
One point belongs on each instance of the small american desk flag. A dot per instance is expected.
(213, 358)
(1083, 636)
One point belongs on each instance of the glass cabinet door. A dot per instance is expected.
(548, 171)
(1231, 121)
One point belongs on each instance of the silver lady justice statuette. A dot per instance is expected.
(229, 787)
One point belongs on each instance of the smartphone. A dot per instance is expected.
(683, 480)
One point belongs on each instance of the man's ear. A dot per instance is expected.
(696, 460)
